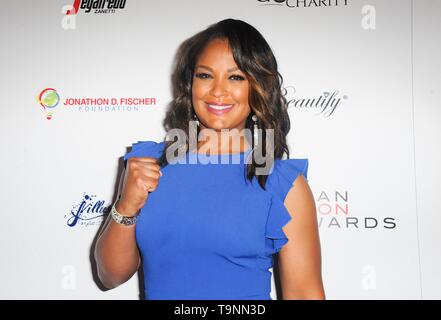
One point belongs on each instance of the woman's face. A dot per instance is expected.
(219, 89)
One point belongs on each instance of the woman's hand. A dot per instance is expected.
(141, 177)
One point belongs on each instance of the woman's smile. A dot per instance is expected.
(219, 108)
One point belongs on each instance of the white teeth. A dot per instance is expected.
(220, 107)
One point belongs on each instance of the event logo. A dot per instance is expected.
(88, 104)
(334, 212)
(69, 12)
(88, 212)
(49, 99)
(96, 6)
(326, 103)
(305, 3)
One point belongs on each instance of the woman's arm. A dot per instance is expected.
(300, 257)
(116, 253)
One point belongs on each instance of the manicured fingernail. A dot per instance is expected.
(160, 173)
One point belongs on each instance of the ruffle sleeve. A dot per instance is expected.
(145, 149)
(278, 216)
(284, 174)
(279, 183)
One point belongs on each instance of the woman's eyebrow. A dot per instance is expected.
(208, 68)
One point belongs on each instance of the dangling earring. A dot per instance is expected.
(255, 132)
(196, 119)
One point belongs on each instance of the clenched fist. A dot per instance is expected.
(141, 177)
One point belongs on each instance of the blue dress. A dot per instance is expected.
(208, 233)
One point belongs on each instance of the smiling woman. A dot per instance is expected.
(209, 229)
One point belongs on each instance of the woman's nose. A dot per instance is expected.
(219, 88)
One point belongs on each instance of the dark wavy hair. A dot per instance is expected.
(255, 58)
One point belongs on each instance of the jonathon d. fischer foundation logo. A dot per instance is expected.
(50, 99)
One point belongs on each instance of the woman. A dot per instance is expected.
(204, 229)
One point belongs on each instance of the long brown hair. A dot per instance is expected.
(255, 58)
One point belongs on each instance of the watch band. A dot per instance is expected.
(119, 218)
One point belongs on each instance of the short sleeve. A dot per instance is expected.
(278, 216)
(279, 183)
(284, 174)
(145, 149)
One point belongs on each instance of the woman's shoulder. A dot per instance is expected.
(147, 148)
(283, 175)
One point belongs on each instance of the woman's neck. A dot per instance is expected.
(215, 142)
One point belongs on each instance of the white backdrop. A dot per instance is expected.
(372, 141)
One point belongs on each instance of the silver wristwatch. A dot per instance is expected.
(119, 218)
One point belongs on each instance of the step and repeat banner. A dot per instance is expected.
(83, 80)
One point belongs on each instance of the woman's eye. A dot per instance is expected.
(202, 75)
(237, 77)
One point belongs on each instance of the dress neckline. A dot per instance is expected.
(221, 154)
(236, 158)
